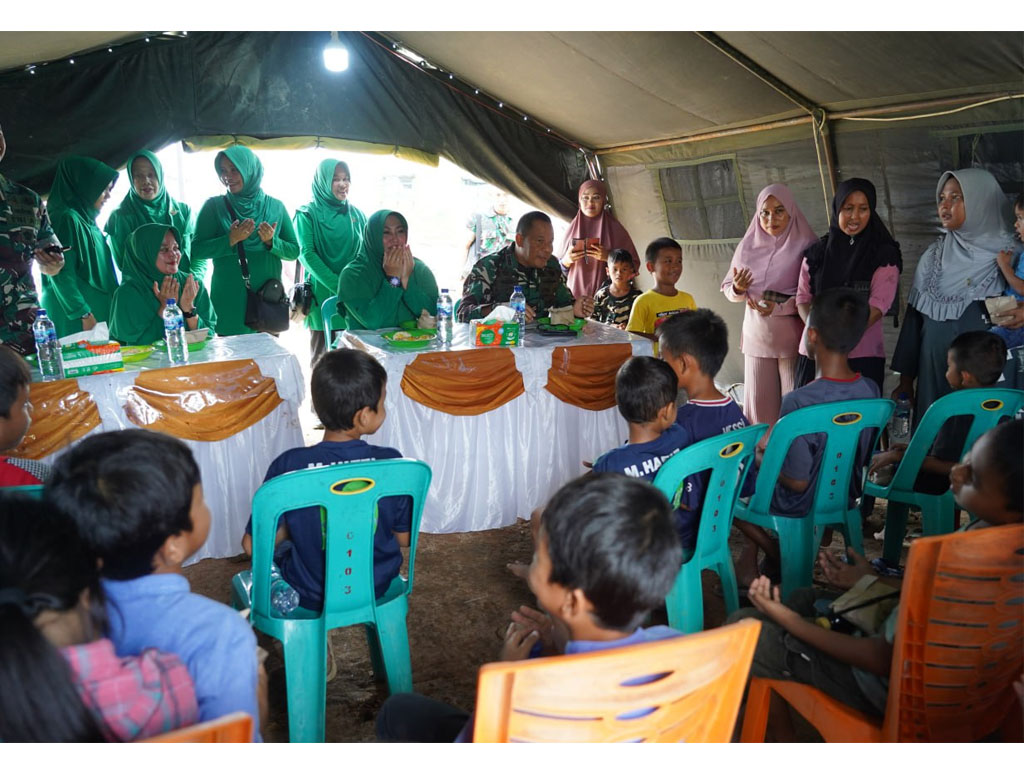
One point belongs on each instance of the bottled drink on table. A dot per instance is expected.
(51, 364)
(902, 418)
(444, 317)
(283, 597)
(518, 304)
(174, 333)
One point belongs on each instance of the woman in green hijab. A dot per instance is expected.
(330, 230)
(153, 274)
(260, 222)
(148, 202)
(79, 296)
(385, 285)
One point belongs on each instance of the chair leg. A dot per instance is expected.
(393, 637)
(937, 515)
(895, 530)
(376, 660)
(305, 671)
(685, 602)
(755, 719)
(241, 590)
(798, 544)
(730, 591)
(853, 535)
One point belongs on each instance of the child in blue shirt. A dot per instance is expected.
(137, 501)
(645, 391)
(348, 390)
(606, 555)
(1012, 266)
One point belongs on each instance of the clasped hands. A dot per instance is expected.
(398, 262)
(240, 230)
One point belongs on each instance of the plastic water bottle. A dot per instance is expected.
(174, 333)
(901, 418)
(51, 364)
(283, 597)
(444, 317)
(518, 304)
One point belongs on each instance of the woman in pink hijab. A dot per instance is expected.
(592, 235)
(764, 273)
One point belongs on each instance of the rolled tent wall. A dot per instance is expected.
(267, 85)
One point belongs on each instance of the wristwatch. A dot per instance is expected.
(190, 314)
(395, 281)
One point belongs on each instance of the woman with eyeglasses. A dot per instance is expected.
(764, 273)
(247, 215)
(955, 275)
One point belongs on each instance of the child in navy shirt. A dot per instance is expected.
(645, 391)
(348, 389)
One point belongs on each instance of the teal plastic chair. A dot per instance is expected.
(799, 537)
(988, 406)
(332, 320)
(35, 491)
(349, 493)
(729, 457)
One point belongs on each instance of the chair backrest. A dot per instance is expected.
(729, 457)
(35, 491)
(842, 423)
(987, 405)
(235, 729)
(332, 320)
(682, 689)
(349, 493)
(959, 637)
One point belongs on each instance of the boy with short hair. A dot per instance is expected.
(348, 391)
(613, 302)
(645, 391)
(606, 555)
(15, 419)
(664, 258)
(137, 500)
(694, 345)
(974, 359)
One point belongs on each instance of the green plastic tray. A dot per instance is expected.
(411, 343)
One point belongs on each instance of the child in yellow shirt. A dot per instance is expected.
(664, 260)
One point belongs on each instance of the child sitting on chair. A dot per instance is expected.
(348, 388)
(975, 359)
(855, 670)
(137, 501)
(15, 419)
(606, 555)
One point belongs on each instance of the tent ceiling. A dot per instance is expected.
(18, 49)
(610, 88)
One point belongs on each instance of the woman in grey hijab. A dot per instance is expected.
(955, 275)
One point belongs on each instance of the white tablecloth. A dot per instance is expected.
(492, 468)
(232, 469)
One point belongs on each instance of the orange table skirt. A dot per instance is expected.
(62, 414)
(463, 383)
(585, 376)
(208, 401)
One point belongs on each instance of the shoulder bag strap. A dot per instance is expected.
(239, 247)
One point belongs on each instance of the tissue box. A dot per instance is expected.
(496, 334)
(87, 357)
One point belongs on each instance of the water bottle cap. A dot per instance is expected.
(171, 302)
(444, 290)
(40, 312)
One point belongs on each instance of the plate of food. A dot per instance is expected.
(417, 338)
(136, 354)
(545, 327)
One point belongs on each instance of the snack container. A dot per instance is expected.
(494, 334)
(88, 357)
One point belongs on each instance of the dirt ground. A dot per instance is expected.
(458, 611)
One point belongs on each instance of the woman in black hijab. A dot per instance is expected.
(858, 252)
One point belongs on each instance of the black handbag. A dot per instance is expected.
(302, 296)
(266, 309)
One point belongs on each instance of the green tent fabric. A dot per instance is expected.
(330, 232)
(88, 281)
(370, 300)
(135, 312)
(133, 212)
(227, 289)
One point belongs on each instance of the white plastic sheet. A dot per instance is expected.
(492, 468)
(232, 469)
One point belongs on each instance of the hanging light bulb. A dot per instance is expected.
(335, 55)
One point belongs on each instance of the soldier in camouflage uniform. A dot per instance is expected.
(24, 232)
(527, 262)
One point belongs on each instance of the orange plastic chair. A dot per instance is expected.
(234, 729)
(683, 689)
(958, 648)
